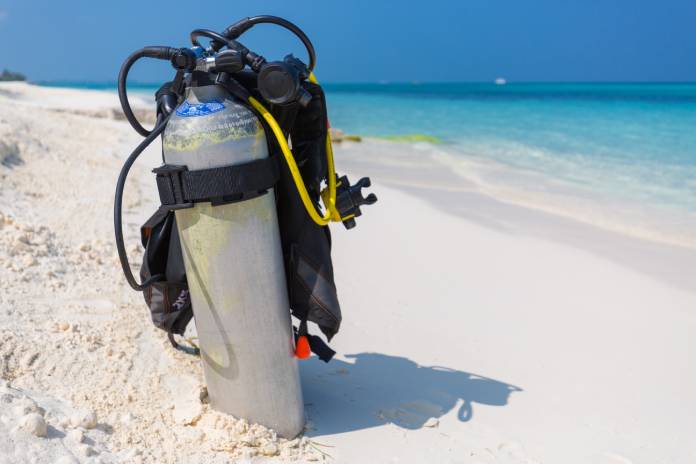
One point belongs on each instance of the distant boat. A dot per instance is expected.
(500, 81)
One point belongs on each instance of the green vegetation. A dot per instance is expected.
(7, 75)
(413, 138)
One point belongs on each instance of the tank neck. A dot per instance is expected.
(206, 93)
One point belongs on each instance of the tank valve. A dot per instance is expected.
(349, 199)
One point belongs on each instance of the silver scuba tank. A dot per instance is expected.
(234, 266)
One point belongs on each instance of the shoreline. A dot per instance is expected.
(549, 196)
(448, 171)
(672, 225)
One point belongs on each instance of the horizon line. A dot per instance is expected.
(385, 82)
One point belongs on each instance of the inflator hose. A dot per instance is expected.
(118, 202)
(332, 213)
(161, 53)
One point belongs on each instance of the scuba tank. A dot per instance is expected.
(239, 242)
(234, 267)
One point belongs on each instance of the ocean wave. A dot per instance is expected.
(592, 195)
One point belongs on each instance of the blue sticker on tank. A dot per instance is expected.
(187, 109)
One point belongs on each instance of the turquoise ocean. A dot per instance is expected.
(618, 155)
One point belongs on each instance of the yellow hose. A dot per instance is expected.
(331, 213)
(331, 206)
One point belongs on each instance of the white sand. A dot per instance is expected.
(474, 330)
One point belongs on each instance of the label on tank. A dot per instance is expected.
(187, 109)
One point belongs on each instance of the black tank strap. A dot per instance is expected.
(321, 349)
(180, 188)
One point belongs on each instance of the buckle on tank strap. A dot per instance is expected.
(171, 186)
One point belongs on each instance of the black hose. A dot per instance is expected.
(162, 53)
(118, 203)
(219, 39)
(243, 25)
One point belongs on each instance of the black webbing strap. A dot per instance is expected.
(321, 349)
(180, 188)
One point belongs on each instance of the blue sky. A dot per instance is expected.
(370, 40)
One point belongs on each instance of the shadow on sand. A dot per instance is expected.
(376, 389)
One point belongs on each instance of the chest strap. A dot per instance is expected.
(180, 188)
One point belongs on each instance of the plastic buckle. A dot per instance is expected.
(171, 187)
(349, 199)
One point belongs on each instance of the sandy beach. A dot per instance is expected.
(476, 330)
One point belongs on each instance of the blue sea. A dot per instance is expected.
(618, 155)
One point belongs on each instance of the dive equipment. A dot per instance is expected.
(239, 241)
(234, 265)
